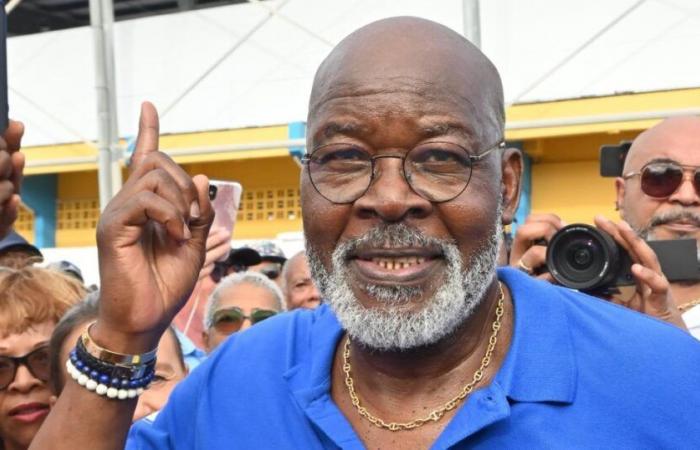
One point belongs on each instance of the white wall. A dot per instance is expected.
(268, 79)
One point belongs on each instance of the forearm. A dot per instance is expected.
(83, 419)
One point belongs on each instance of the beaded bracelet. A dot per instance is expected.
(101, 384)
(110, 369)
(114, 380)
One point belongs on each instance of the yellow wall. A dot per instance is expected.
(270, 201)
(566, 178)
(572, 190)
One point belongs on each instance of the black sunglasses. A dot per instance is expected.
(662, 179)
(230, 320)
(37, 361)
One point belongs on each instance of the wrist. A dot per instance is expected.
(124, 342)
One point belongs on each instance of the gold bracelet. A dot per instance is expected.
(121, 359)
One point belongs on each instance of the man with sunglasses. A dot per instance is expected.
(239, 301)
(657, 196)
(420, 342)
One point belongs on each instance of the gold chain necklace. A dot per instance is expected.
(438, 413)
(686, 306)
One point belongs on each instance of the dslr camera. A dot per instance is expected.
(582, 257)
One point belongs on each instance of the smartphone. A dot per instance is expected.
(3, 70)
(225, 198)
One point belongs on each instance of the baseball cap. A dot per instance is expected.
(14, 241)
(243, 256)
(269, 251)
(68, 268)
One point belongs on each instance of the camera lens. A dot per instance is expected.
(581, 257)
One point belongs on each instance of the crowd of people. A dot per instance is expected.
(45, 307)
(406, 332)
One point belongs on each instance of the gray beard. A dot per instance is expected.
(392, 327)
(646, 231)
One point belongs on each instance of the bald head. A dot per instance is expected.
(414, 56)
(676, 134)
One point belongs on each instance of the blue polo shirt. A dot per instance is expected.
(580, 373)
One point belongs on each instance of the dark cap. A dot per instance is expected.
(244, 256)
(270, 252)
(14, 241)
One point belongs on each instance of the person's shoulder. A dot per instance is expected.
(618, 330)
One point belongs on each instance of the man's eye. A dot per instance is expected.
(440, 159)
(344, 155)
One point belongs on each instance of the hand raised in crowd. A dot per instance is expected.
(11, 169)
(526, 254)
(652, 294)
(151, 241)
(218, 248)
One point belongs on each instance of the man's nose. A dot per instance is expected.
(686, 194)
(390, 197)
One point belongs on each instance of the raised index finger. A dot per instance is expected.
(147, 139)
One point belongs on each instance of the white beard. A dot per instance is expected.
(392, 327)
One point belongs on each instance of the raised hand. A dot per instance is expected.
(151, 242)
(525, 253)
(11, 170)
(652, 293)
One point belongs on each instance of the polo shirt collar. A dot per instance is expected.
(540, 365)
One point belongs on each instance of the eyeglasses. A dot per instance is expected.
(230, 320)
(662, 179)
(437, 171)
(37, 361)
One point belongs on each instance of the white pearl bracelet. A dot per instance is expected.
(99, 388)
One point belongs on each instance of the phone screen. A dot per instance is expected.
(225, 198)
(3, 70)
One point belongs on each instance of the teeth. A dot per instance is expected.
(398, 263)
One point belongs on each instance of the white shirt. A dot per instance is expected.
(692, 320)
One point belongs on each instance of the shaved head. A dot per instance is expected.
(414, 56)
(678, 133)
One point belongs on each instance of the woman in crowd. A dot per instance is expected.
(32, 300)
(170, 364)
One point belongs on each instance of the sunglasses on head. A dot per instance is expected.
(661, 179)
(230, 320)
(37, 361)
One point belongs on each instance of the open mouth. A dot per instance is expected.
(29, 412)
(395, 265)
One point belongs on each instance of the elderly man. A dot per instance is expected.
(299, 288)
(421, 344)
(240, 301)
(658, 197)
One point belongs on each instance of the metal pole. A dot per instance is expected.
(472, 21)
(109, 177)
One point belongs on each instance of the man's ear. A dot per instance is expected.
(619, 195)
(511, 175)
